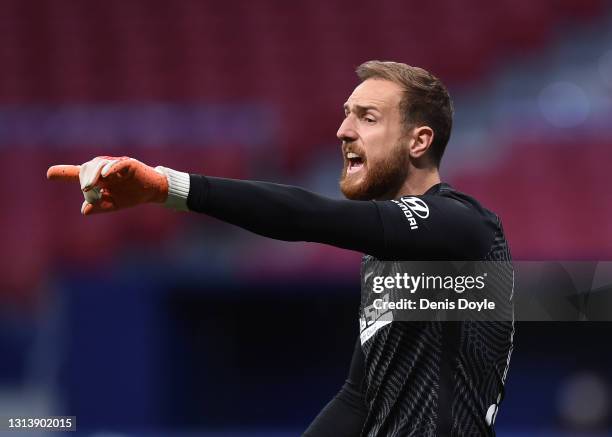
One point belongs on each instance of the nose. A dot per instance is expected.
(346, 131)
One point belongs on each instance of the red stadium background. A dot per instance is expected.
(255, 90)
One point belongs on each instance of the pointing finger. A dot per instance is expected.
(63, 173)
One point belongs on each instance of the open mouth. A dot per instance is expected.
(355, 162)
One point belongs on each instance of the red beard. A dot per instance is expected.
(382, 180)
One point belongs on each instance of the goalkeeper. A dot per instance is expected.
(406, 378)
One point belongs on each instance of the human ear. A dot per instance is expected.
(422, 137)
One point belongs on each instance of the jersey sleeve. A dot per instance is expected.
(426, 227)
(434, 227)
(346, 413)
(289, 213)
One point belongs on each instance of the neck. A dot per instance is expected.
(417, 183)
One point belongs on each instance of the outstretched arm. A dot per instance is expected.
(272, 210)
(435, 227)
(288, 213)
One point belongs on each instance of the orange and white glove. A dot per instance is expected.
(112, 183)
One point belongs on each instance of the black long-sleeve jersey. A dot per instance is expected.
(427, 378)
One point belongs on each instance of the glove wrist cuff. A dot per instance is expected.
(178, 188)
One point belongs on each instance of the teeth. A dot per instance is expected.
(351, 155)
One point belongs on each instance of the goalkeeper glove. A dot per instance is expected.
(112, 183)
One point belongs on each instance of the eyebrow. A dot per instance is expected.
(361, 108)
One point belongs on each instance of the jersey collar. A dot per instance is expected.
(435, 189)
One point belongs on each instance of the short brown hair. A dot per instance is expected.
(425, 99)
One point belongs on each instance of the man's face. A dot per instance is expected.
(374, 146)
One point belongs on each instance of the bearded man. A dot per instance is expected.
(406, 378)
